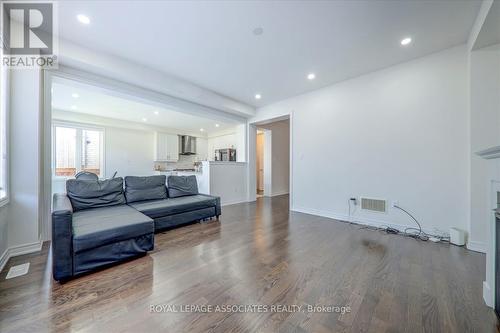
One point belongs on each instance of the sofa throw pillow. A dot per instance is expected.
(85, 194)
(145, 188)
(179, 186)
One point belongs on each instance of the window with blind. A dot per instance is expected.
(77, 149)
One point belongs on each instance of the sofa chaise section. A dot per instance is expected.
(180, 204)
(175, 211)
(92, 227)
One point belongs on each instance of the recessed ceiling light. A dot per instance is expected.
(73, 107)
(157, 113)
(258, 96)
(311, 76)
(202, 130)
(75, 95)
(144, 119)
(83, 19)
(217, 125)
(406, 41)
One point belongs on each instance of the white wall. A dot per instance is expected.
(202, 149)
(398, 134)
(221, 142)
(241, 143)
(23, 209)
(129, 152)
(233, 138)
(280, 156)
(484, 133)
(226, 180)
(3, 233)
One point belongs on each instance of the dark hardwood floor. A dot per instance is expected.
(259, 253)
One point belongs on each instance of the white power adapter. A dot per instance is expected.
(457, 236)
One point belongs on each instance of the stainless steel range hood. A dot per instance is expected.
(187, 145)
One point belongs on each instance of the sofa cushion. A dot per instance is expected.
(145, 188)
(100, 226)
(85, 194)
(179, 186)
(160, 208)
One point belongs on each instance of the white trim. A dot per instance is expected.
(133, 74)
(267, 162)
(46, 158)
(18, 250)
(251, 154)
(79, 127)
(290, 164)
(275, 194)
(476, 246)
(144, 95)
(478, 23)
(358, 220)
(490, 280)
(487, 295)
(235, 202)
(5, 112)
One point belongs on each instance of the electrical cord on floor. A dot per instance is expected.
(419, 233)
(415, 233)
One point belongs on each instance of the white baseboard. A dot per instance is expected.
(19, 250)
(233, 202)
(357, 219)
(476, 246)
(487, 295)
(275, 194)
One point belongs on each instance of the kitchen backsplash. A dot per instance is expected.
(184, 162)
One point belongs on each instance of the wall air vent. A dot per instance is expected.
(374, 205)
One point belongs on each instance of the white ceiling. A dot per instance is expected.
(94, 102)
(211, 43)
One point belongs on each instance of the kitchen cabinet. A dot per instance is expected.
(166, 147)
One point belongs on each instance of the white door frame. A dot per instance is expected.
(252, 155)
(268, 162)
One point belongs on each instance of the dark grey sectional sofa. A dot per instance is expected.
(97, 223)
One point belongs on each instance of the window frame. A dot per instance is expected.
(79, 127)
(4, 115)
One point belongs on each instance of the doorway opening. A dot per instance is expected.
(272, 158)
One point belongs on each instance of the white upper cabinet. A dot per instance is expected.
(172, 147)
(166, 147)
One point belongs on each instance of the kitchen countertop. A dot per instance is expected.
(224, 162)
(176, 171)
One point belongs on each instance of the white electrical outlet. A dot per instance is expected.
(395, 203)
